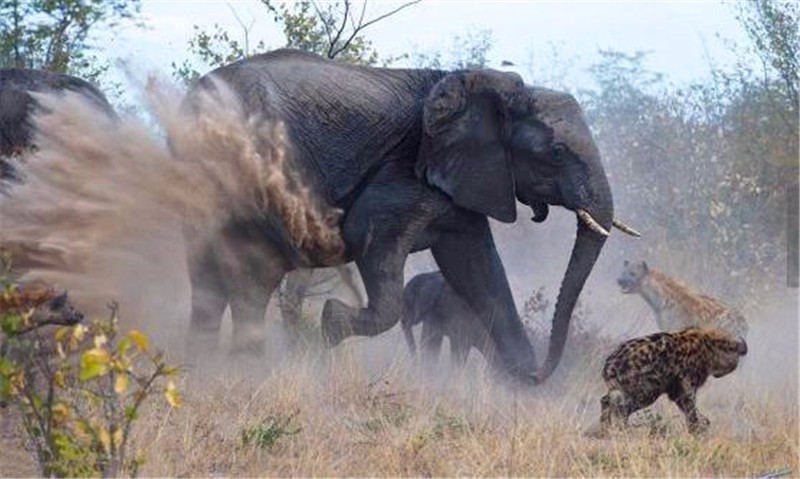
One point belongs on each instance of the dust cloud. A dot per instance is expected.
(104, 199)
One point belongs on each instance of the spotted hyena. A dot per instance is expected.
(677, 306)
(677, 364)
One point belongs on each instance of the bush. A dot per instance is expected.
(270, 431)
(79, 389)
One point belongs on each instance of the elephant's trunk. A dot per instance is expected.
(588, 245)
(594, 222)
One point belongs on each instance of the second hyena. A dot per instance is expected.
(676, 305)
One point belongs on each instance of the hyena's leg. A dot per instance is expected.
(614, 410)
(684, 396)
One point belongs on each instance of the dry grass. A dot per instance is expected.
(359, 418)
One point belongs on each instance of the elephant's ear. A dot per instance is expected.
(466, 126)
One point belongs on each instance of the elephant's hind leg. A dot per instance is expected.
(459, 349)
(431, 340)
(209, 300)
(252, 269)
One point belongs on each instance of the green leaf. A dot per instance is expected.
(94, 362)
(10, 323)
(139, 339)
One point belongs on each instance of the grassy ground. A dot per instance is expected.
(365, 410)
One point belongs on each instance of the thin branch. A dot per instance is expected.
(332, 51)
(245, 29)
(324, 22)
(388, 14)
(362, 25)
(361, 17)
(41, 324)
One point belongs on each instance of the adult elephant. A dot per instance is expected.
(416, 159)
(17, 106)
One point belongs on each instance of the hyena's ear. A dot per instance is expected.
(625, 263)
(644, 265)
(741, 346)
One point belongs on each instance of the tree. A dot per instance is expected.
(334, 30)
(701, 168)
(465, 52)
(774, 32)
(769, 107)
(55, 35)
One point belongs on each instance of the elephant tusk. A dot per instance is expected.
(626, 229)
(591, 223)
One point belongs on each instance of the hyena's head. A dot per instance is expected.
(49, 307)
(633, 274)
(725, 351)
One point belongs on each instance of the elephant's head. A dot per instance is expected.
(489, 140)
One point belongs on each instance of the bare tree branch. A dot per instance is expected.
(324, 22)
(361, 26)
(388, 14)
(245, 29)
(332, 51)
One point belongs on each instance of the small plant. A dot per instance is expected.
(448, 425)
(270, 431)
(79, 390)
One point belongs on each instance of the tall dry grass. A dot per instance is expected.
(366, 409)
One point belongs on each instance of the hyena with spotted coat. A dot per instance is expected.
(676, 305)
(677, 364)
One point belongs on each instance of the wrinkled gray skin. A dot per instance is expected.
(416, 159)
(16, 107)
(429, 300)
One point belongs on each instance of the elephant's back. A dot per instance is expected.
(16, 103)
(343, 120)
(19, 81)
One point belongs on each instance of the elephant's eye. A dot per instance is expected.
(559, 151)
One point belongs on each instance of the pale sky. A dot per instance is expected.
(681, 35)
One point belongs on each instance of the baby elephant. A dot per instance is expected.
(642, 369)
(429, 300)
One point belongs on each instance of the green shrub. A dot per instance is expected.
(270, 431)
(79, 389)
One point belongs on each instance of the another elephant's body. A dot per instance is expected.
(429, 300)
(17, 106)
(415, 160)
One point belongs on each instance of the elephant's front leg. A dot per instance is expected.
(383, 275)
(469, 261)
(380, 231)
